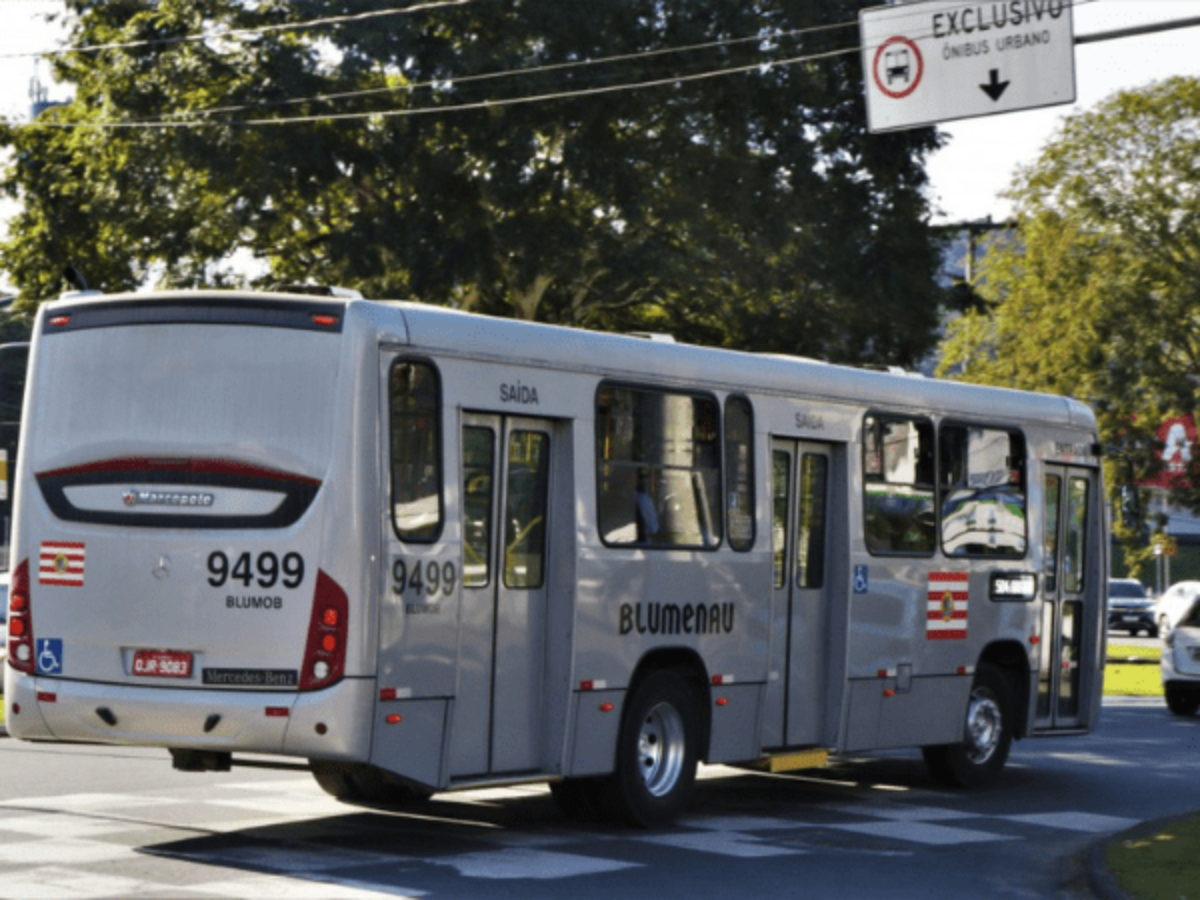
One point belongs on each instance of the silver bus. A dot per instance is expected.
(423, 550)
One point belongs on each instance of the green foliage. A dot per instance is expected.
(1157, 862)
(1099, 295)
(749, 210)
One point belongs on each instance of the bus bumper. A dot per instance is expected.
(334, 723)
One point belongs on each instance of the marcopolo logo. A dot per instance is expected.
(140, 497)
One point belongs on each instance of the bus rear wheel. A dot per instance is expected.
(987, 735)
(657, 752)
(362, 783)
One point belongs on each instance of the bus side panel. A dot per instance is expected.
(736, 720)
(564, 577)
(419, 609)
(597, 721)
(411, 740)
(929, 712)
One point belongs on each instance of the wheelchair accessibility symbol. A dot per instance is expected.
(49, 656)
(861, 580)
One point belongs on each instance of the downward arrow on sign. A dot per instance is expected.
(995, 87)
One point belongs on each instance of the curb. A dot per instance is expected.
(1102, 882)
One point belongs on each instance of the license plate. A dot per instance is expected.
(1129, 618)
(162, 663)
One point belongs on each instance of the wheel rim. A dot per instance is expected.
(985, 723)
(660, 749)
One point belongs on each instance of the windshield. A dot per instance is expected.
(249, 395)
(1126, 589)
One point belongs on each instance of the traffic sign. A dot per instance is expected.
(938, 60)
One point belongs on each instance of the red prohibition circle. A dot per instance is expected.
(894, 70)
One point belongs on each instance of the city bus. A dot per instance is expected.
(422, 550)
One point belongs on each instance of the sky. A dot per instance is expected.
(967, 175)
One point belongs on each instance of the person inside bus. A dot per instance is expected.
(648, 524)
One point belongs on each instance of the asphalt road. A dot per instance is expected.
(88, 822)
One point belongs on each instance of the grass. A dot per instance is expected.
(1160, 865)
(1132, 671)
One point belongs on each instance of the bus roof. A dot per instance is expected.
(444, 331)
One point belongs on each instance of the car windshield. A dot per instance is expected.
(1125, 589)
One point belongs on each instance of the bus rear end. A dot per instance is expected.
(174, 580)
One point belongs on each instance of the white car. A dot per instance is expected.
(1181, 663)
(1174, 602)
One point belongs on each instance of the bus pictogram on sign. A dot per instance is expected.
(898, 67)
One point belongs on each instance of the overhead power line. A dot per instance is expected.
(462, 107)
(765, 65)
(409, 87)
(244, 32)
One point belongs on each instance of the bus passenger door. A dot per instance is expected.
(1068, 625)
(797, 685)
(506, 468)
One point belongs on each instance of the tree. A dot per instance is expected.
(503, 167)
(1099, 295)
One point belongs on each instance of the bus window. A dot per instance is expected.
(983, 491)
(414, 402)
(810, 539)
(657, 468)
(1075, 551)
(525, 509)
(780, 495)
(1053, 499)
(739, 472)
(478, 453)
(898, 461)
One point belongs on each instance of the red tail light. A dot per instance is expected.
(20, 621)
(325, 650)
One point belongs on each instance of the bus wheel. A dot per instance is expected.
(361, 783)
(987, 735)
(656, 753)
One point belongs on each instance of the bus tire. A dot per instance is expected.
(656, 754)
(361, 783)
(987, 735)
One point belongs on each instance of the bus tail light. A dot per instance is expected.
(325, 651)
(20, 621)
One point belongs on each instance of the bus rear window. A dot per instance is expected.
(414, 403)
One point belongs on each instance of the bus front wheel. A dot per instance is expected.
(987, 735)
(656, 753)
